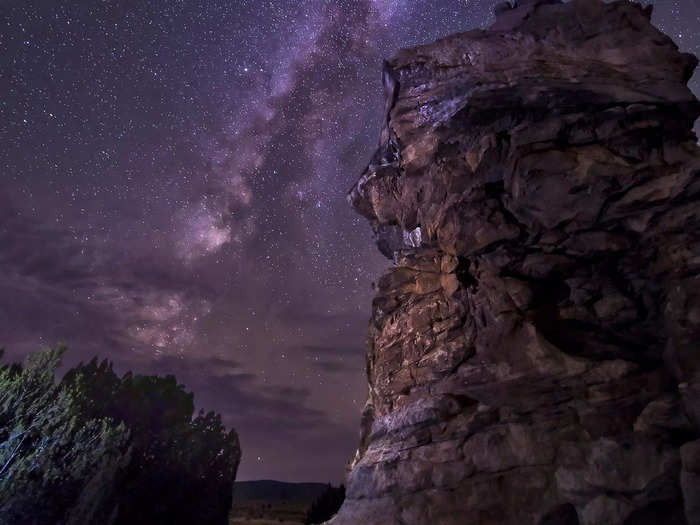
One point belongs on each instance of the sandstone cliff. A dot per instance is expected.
(534, 352)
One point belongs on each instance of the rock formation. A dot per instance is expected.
(534, 353)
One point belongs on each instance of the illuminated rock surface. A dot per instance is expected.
(534, 353)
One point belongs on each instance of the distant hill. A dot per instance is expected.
(269, 490)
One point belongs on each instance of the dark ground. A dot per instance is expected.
(268, 502)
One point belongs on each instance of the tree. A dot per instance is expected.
(182, 468)
(98, 448)
(49, 455)
(326, 505)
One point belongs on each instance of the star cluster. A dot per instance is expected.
(172, 197)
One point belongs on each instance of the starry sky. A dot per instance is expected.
(172, 197)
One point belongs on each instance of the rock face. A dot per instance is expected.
(534, 352)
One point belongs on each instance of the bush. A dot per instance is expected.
(97, 448)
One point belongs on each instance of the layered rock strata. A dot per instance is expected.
(534, 352)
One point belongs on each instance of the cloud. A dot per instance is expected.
(333, 351)
(334, 359)
(276, 422)
(55, 276)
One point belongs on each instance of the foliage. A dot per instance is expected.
(327, 505)
(98, 448)
(48, 453)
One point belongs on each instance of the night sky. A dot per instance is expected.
(172, 197)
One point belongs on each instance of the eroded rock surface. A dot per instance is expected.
(534, 352)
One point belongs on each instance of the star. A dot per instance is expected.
(173, 198)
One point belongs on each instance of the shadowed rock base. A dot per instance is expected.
(534, 353)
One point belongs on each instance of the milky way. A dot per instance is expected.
(172, 197)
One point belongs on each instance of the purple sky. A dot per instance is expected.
(172, 197)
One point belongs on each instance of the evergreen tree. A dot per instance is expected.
(326, 505)
(98, 448)
(49, 454)
(175, 458)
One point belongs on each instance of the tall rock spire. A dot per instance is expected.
(534, 353)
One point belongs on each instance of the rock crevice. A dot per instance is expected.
(534, 352)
